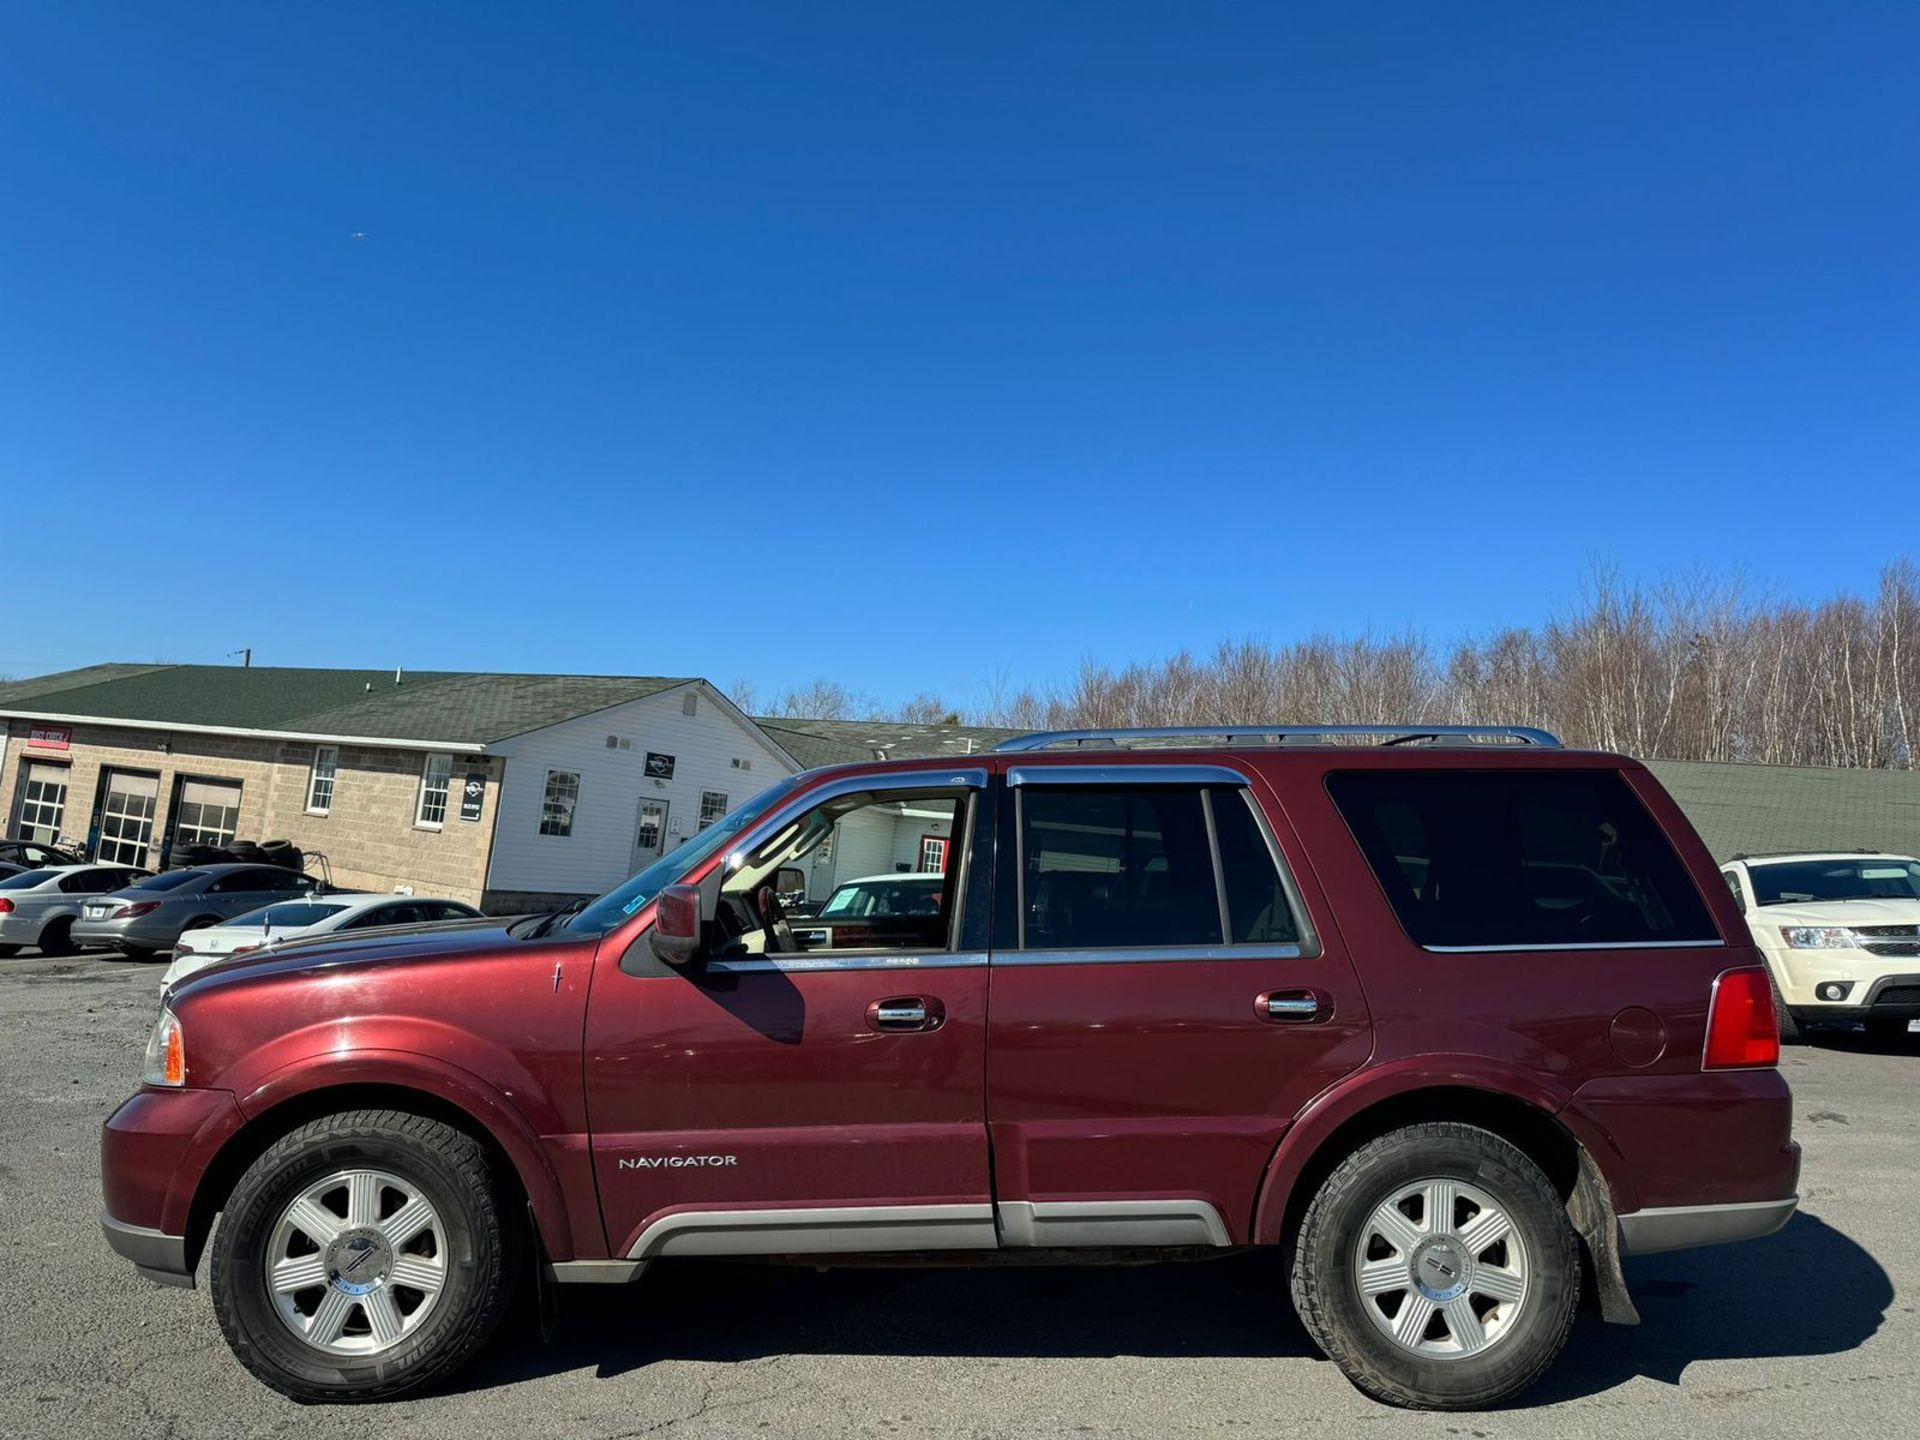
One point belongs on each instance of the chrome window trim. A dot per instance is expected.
(970, 778)
(1715, 944)
(1148, 954)
(852, 960)
(1125, 775)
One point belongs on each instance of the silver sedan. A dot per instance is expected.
(38, 907)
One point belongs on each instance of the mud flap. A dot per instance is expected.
(1590, 1209)
(546, 1297)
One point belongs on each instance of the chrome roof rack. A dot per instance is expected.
(1236, 736)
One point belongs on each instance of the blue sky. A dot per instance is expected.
(914, 343)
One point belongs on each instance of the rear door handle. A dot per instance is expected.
(905, 1012)
(1292, 1007)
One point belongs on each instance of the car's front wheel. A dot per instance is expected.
(362, 1255)
(1436, 1266)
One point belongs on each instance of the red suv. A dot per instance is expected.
(1453, 1016)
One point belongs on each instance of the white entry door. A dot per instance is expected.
(126, 818)
(649, 833)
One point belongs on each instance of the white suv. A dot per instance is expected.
(1841, 933)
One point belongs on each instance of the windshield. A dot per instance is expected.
(617, 904)
(286, 917)
(865, 899)
(171, 880)
(27, 879)
(1803, 882)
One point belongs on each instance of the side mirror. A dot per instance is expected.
(675, 937)
(790, 883)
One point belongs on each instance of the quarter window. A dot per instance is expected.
(436, 775)
(1258, 907)
(1475, 859)
(713, 805)
(556, 809)
(326, 760)
(1122, 868)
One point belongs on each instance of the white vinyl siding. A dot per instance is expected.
(436, 778)
(326, 765)
(556, 808)
(613, 781)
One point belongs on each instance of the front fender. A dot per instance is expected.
(1360, 1092)
(501, 1113)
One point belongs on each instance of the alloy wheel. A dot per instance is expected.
(1441, 1269)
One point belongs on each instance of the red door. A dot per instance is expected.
(718, 1094)
(1157, 1019)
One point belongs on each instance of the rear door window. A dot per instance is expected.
(1521, 859)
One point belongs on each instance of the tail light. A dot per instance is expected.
(6, 906)
(243, 949)
(135, 910)
(1743, 1033)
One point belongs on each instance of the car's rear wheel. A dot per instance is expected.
(57, 937)
(1436, 1267)
(363, 1255)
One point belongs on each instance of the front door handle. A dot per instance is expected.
(1292, 1007)
(905, 1012)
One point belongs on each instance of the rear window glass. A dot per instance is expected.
(168, 880)
(26, 879)
(1107, 868)
(1475, 859)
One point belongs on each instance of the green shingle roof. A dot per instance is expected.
(1750, 809)
(835, 742)
(457, 707)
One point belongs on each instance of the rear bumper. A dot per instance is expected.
(1682, 1227)
(119, 934)
(160, 1257)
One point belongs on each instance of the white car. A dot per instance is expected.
(302, 919)
(1841, 936)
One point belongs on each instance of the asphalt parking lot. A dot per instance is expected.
(1811, 1329)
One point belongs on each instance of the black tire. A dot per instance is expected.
(451, 1171)
(57, 937)
(1328, 1298)
(1792, 1032)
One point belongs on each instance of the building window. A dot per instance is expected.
(43, 803)
(326, 760)
(208, 813)
(713, 804)
(436, 776)
(556, 810)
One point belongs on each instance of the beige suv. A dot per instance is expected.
(1841, 935)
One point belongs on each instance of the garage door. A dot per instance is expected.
(43, 803)
(208, 812)
(126, 818)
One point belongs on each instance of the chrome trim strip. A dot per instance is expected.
(1583, 945)
(1681, 1227)
(1075, 1224)
(801, 964)
(1044, 739)
(821, 1230)
(1148, 954)
(1125, 775)
(596, 1272)
(967, 778)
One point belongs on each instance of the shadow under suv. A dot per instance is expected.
(1451, 1016)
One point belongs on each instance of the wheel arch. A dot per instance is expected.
(1531, 1122)
(516, 1160)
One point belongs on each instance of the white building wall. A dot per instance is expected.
(879, 840)
(598, 855)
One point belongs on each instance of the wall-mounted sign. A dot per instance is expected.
(473, 795)
(660, 767)
(52, 737)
